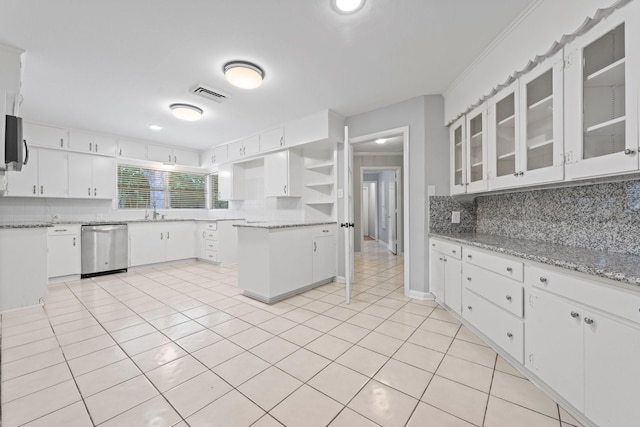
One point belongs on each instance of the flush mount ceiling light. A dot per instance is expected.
(381, 140)
(187, 112)
(348, 6)
(244, 75)
(155, 127)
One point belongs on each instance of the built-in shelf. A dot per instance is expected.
(475, 165)
(611, 75)
(459, 144)
(459, 170)
(507, 122)
(544, 102)
(540, 144)
(312, 203)
(320, 166)
(606, 124)
(320, 184)
(506, 155)
(476, 135)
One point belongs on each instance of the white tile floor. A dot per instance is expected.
(179, 345)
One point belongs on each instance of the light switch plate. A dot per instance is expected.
(431, 190)
(455, 217)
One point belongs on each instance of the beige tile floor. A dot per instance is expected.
(179, 345)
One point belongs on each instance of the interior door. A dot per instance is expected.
(365, 211)
(391, 217)
(347, 226)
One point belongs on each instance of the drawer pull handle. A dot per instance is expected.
(433, 245)
(469, 307)
(509, 269)
(509, 298)
(441, 259)
(543, 279)
(588, 321)
(469, 278)
(469, 256)
(509, 335)
(453, 251)
(575, 314)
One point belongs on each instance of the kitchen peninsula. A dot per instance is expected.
(277, 260)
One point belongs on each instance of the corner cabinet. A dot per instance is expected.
(476, 150)
(601, 80)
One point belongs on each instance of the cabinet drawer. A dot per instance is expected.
(60, 230)
(618, 302)
(500, 290)
(212, 226)
(499, 326)
(328, 230)
(211, 256)
(495, 263)
(451, 249)
(211, 234)
(211, 245)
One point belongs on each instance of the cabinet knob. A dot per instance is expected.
(508, 297)
(469, 278)
(95, 191)
(433, 245)
(509, 335)
(515, 174)
(445, 259)
(42, 189)
(96, 147)
(440, 258)
(315, 246)
(168, 235)
(469, 308)
(575, 314)
(90, 147)
(282, 140)
(161, 236)
(588, 321)
(520, 173)
(453, 251)
(203, 233)
(543, 279)
(34, 189)
(213, 158)
(469, 256)
(61, 142)
(89, 191)
(509, 269)
(120, 152)
(629, 152)
(74, 241)
(285, 189)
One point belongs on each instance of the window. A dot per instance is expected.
(141, 188)
(213, 194)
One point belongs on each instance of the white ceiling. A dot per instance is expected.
(115, 65)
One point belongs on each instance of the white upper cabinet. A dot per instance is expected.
(45, 136)
(91, 177)
(476, 156)
(244, 147)
(458, 152)
(186, 157)
(504, 133)
(45, 175)
(91, 143)
(601, 81)
(283, 174)
(160, 153)
(541, 157)
(132, 149)
(215, 156)
(272, 139)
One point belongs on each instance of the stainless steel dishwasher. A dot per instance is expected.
(105, 249)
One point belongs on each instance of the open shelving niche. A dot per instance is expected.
(320, 178)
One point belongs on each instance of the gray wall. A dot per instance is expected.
(428, 165)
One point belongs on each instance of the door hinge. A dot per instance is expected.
(531, 301)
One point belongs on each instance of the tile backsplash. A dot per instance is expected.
(440, 209)
(603, 216)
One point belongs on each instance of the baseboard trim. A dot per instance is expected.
(420, 295)
(341, 279)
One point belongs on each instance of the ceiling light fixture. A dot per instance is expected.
(381, 140)
(244, 75)
(348, 6)
(187, 112)
(155, 127)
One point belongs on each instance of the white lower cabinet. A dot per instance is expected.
(324, 253)
(151, 243)
(446, 274)
(63, 251)
(217, 241)
(23, 267)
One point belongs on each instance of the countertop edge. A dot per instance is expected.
(107, 222)
(266, 225)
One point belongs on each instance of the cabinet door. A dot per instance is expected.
(436, 275)
(601, 98)
(159, 153)
(200, 241)
(235, 149)
(103, 144)
(81, 141)
(504, 136)
(220, 154)
(458, 152)
(224, 182)
(146, 244)
(251, 145)
(25, 182)
(276, 174)
(63, 257)
(554, 345)
(612, 351)
(272, 139)
(132, 150)
(477, 149)
(53, 175)
(186, 157)
(45, 136)
(453, 284)
(104, 177)
(80, 171)
(324, 258)
(180, 240)
(542, 123)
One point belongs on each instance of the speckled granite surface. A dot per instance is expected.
(610, 265)
(602, 216)
(272, 225)
(10, 226)
(51, 224)
(440, 208)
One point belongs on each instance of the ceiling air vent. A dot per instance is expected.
(207, 92)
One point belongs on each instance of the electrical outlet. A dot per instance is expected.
(455, 217)
(431, 190)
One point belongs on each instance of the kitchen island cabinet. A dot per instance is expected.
(276, 261)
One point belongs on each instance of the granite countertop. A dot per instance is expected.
(609, 265)
(115, 221)
(274, 224)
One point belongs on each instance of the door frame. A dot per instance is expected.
(399, 217)
(404, 131)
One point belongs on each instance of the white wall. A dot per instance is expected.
(532, 35)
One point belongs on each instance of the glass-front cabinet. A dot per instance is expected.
(601, 80)
(504, 136)
(476, 156)
(457, 138)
